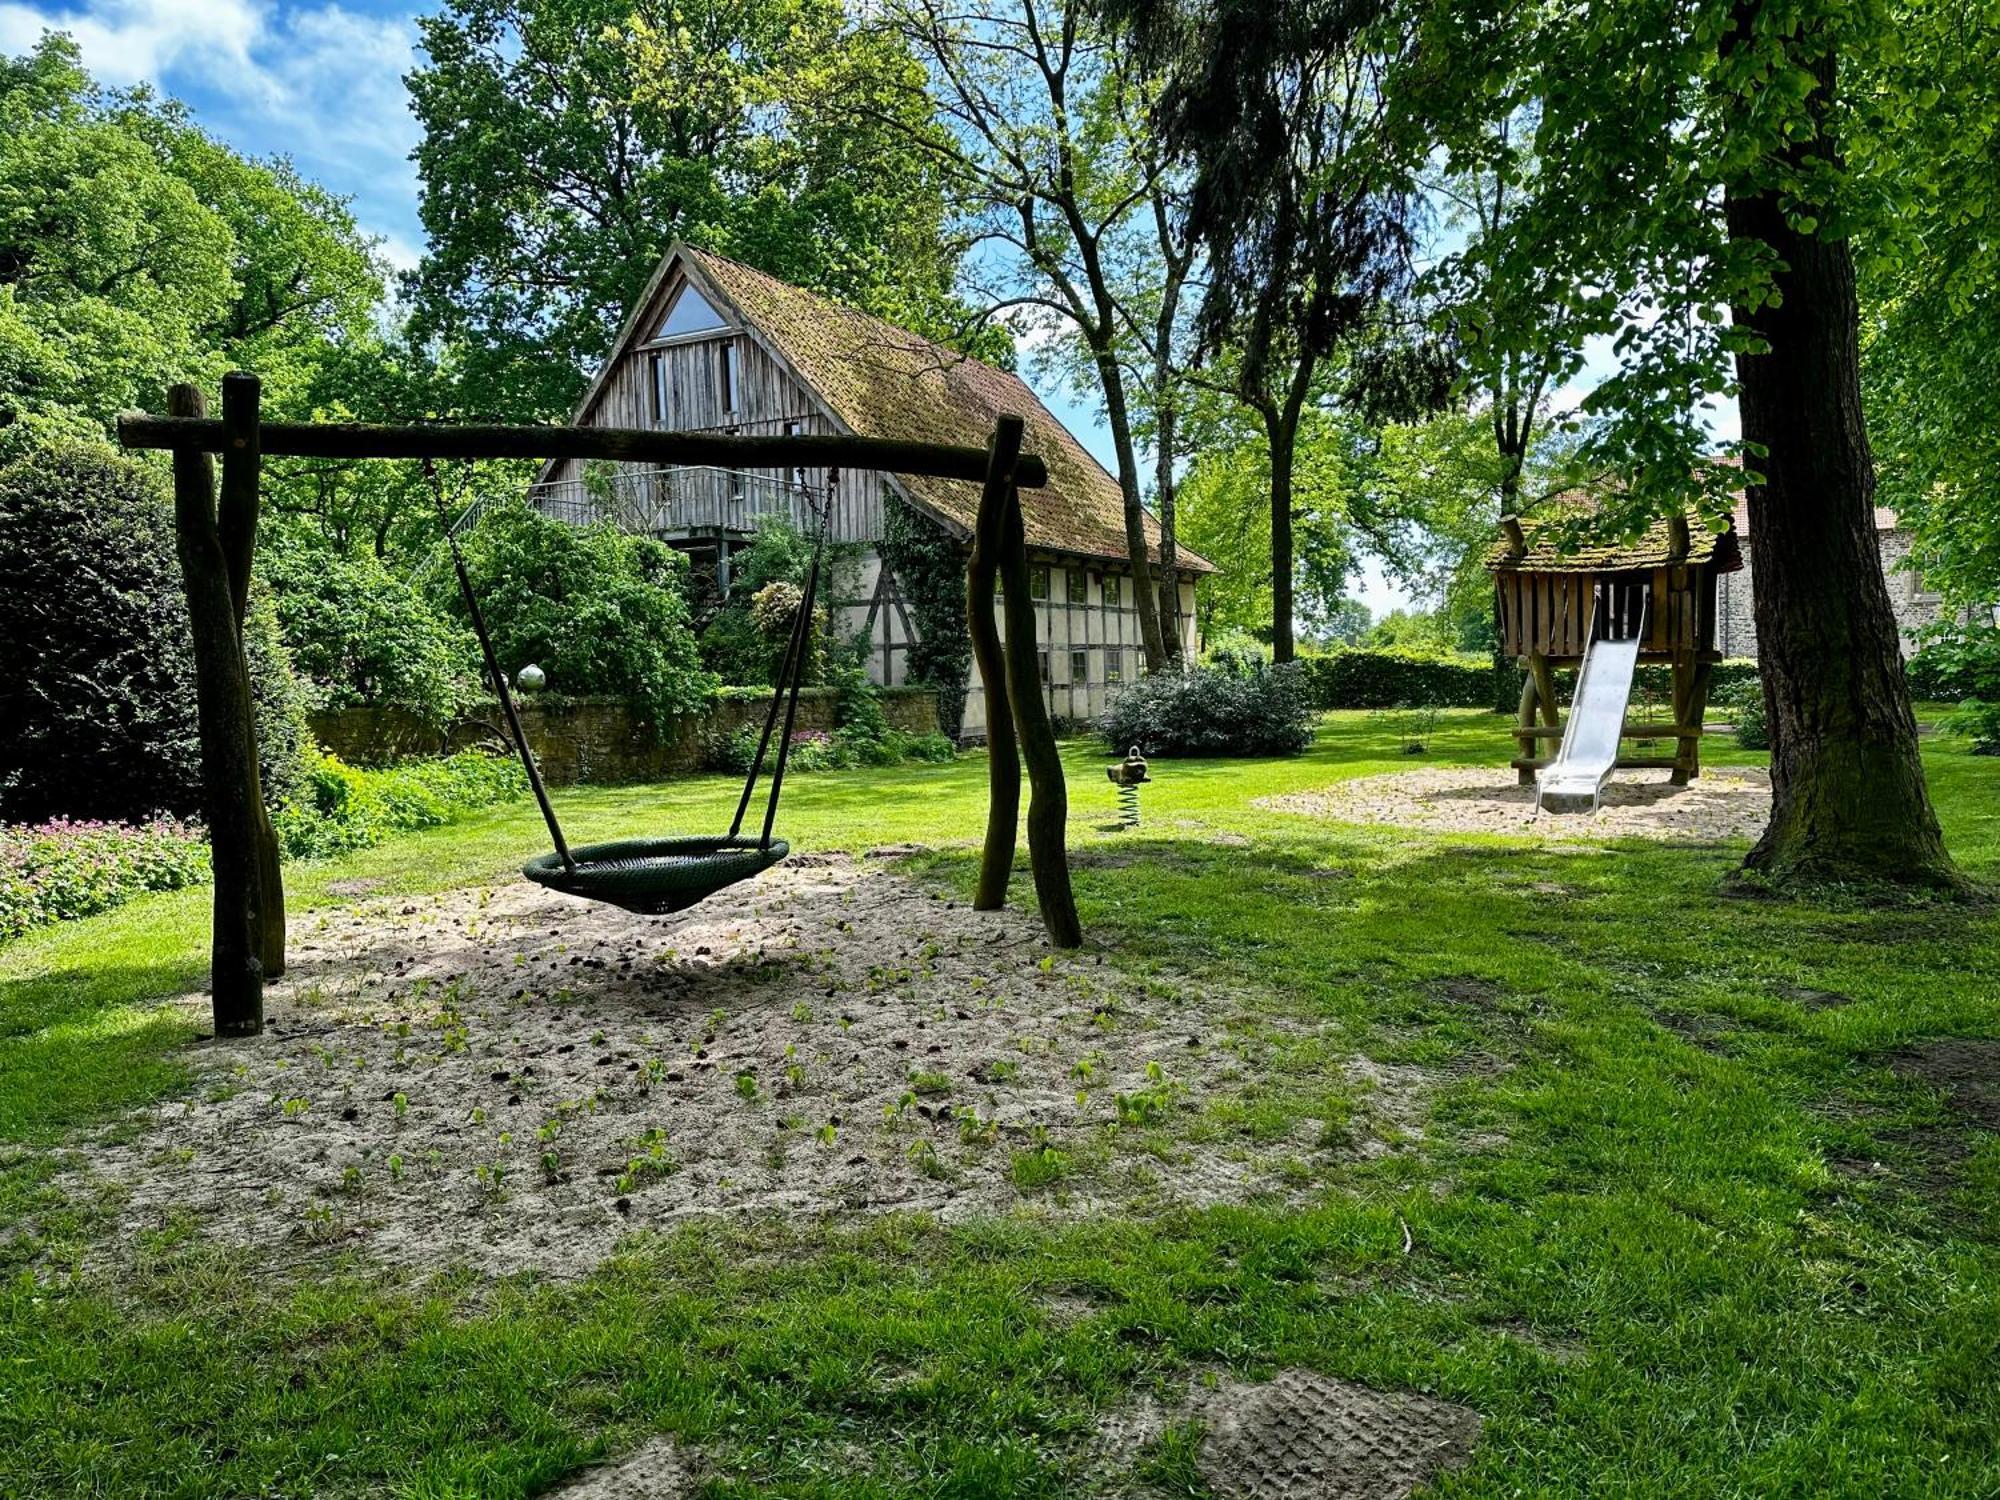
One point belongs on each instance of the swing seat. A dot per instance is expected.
(656, 876)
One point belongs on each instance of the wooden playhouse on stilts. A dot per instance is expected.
(1604, 609)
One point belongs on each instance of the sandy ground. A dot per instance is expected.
(511, 1079)
(1719, 804)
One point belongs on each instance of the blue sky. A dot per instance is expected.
(323, 84)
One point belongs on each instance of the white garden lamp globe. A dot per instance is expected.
(532, 679)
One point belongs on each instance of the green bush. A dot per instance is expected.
(362, 635)
(1393, 677)
(59, 870)
(599, 611)
(929, 567)
(1978, 720)
(97, 711)
(1745, 702)
(1956, 662)
(1239, 708)
(341, 807)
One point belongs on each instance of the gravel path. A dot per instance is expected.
(1728, 804)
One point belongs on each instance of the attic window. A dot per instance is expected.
(690, 314)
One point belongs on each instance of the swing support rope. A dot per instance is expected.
(791, 675)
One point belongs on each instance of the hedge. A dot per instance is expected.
(1391, 679)
(1395, 679)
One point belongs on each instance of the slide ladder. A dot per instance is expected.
(1596, 721)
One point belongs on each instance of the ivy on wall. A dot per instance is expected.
(929, 567)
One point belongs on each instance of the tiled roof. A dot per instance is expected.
(885, 382)
(1650, 549)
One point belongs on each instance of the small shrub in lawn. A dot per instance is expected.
(55, 871)
(1413, 725)
(1976, 720)
(341, 807)
(1242, 708)
(1746, 711)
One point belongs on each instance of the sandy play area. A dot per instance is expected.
(510, 1079)
(1720, 804)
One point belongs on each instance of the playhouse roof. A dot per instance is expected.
(1652, 548)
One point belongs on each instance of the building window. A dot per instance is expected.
(657, 368)
(728, 376)
(1113, 589)
(1114, 664)
(1077, 589)
(1079, 666)
(690, 314)
(1042, 664)
(1038, 583)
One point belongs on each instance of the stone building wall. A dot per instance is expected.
(1914, 606)
(593, 740)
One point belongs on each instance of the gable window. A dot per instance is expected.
(1077, 590)
(690, 314)
(1079, 666)
(726, 374)
(656, 370)
(1038, 583)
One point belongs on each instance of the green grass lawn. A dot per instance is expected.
(1678, 1226)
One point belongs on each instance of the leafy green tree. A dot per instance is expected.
(1930, 285)
(97, 710)
(136, 251)
(568, 142)
(1704, 219)
(599, 611)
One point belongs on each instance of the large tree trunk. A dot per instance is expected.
(1146, 600)
(1848, 794)
(1165, 457)
(1283, 439)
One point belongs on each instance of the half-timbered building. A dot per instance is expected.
(714, 345)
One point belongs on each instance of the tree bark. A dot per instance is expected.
(229, 783)
(1003, 763)
(1282, 438)
(242, 472)
(1166, 454)
(1146, 598)
(1048, 803)
(1849, 800)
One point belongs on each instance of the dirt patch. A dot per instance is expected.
(1966, 1072)
(510, 1079)
(1306, 1436)
(1731, 804)
(655, 1471)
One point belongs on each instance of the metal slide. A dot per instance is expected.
(1596, 721)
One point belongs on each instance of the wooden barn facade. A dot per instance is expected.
(714, 345)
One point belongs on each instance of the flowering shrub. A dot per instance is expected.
(50, 872)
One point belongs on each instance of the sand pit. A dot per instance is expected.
(1722, 804)
(509, 1079)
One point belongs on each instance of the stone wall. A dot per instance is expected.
(593, 740)
(1736, 625)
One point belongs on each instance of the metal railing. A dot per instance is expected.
(673, 502)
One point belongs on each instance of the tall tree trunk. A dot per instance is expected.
(1283, 441)
(1848, 794)
(1118, 417)
(1166, 455)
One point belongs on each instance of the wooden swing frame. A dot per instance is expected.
(216, 541)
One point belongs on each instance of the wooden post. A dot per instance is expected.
(1527, 741)
(242, 472)
(1048, 803)
(229, 784)
(1003, 763)
(1690, 709)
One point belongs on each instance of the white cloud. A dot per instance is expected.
(135, 41)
